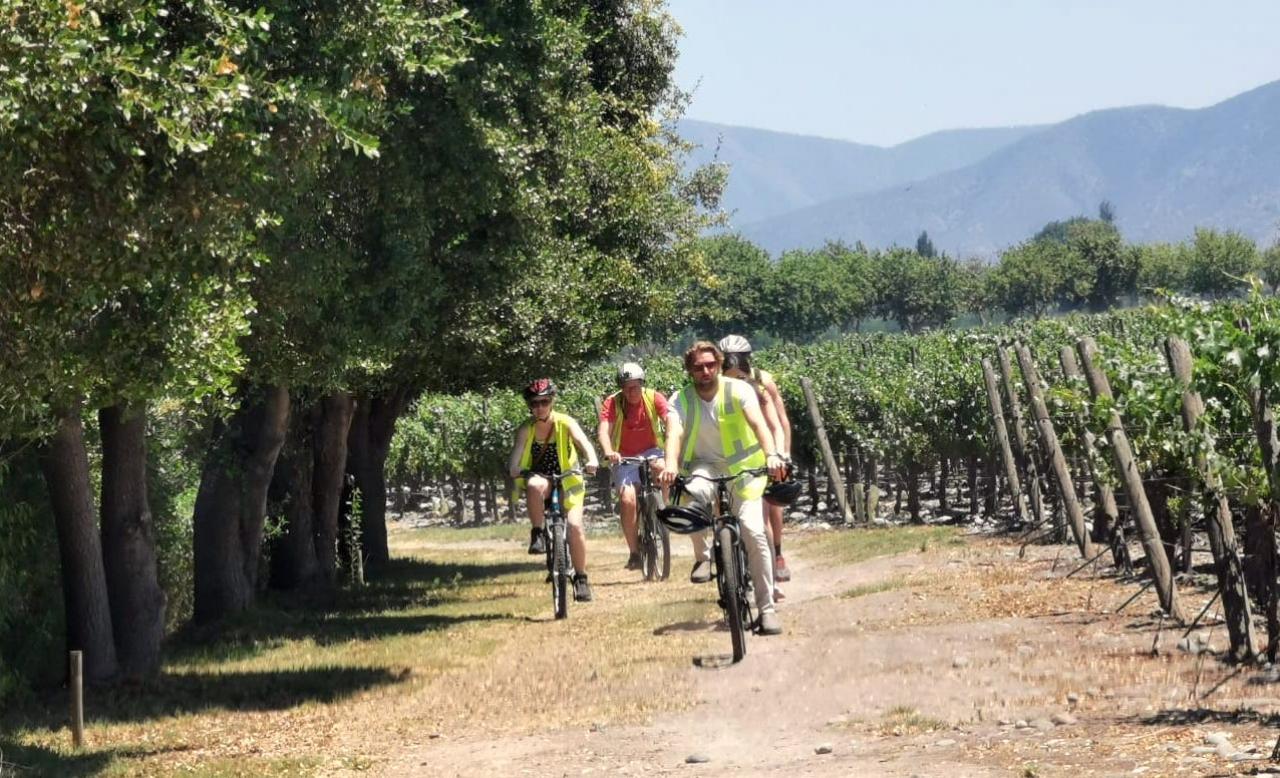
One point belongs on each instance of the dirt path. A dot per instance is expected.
(963, 661)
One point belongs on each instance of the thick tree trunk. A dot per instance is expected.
(913, 493)
(65, 465)
(368, 443)
(294, 564)
(128, 542)
(231, 505)
(332, 424)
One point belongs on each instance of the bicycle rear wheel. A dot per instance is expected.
(730, 596)
(559, 572)
(655, 544)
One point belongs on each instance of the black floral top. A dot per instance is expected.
(546, 458)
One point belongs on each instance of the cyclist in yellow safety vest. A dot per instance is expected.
(717, 429)
(548, 444)
(737, 363)
(631, 421)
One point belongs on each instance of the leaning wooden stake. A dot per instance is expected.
(1222, 534)
(1049, 441)
(1022, 449)
(1002, 439)
(1266, 430)
(77, 699)
(1106, 515)
(1157, 561)
(833, 470)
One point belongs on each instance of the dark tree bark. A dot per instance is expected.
(913, 493)
(971, 463)
(294, 564)
(65, 465)
(368, 443)
(128, 542)
(231, 505)
(332, 424)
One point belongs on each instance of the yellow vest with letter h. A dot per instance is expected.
(738, 441)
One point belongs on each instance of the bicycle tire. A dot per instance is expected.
(655, 544)
(731, 596)
(559, 572)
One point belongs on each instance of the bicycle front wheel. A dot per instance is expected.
(730, 596)
(655, 544)
(559, 571)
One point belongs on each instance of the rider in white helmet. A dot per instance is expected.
(632, 421)
(737, 364)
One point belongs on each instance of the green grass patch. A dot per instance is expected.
(873, 588)
(906, 720)
(856, 545)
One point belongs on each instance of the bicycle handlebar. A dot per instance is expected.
(724, 479)
(557, 478)
(639, 460)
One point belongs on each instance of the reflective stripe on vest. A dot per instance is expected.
(738, 441)
(650, 407)
(572, 490)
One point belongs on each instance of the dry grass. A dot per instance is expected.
(904, 720)
(450, 640)
(848, 546)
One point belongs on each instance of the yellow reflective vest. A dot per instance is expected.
(738, 441)
(650, 407)
(572, 490)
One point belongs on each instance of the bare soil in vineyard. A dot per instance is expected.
(907, 651)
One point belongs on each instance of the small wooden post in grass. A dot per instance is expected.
(1002, 439)
(833, 470)
(1157, 561)
(77, 699)
(1222, 534)
(1049, 439)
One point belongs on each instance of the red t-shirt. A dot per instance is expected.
(637, 432)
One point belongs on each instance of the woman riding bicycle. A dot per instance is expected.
(548, 444)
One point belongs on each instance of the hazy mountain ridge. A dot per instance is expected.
(1166, 171)
(772, 173)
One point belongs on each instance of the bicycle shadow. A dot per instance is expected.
(714, 661)
(701, 625)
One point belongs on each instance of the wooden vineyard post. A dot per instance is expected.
(872, 480)
(857, 491)
(1157, 561)
(1264, 427)
(1049, 440)
(828, 458)
(77, 698)
(1002, 439)
(1106, 516)
(1021, 446)
(1222, 534)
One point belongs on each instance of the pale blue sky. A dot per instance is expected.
(886, 71)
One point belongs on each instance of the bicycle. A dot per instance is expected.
(554, 534)
(728, 554)
(652, 535)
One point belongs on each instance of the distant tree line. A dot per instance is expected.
(1079, 264)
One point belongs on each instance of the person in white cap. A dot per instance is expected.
(632, 421)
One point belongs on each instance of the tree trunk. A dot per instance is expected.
(944, 479)
(65, 465)
(231, 505)
(1260, 570)
(128, 542)
(913, 493)
(971, 463)
(332, 423)
(294, 564)
(368, 444)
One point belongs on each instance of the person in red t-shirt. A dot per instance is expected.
(631, 424)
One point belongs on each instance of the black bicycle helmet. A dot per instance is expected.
(684, 519)
(782, 492)
(539, 387)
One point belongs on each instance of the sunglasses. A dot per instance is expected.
(540, 403)
(707, 367)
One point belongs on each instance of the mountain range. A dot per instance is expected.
(1165, 170)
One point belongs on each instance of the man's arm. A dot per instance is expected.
(604, 434)
(675, 435)
(769, 409)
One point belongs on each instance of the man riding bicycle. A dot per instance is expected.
(717, 429)
(631, 421)
(548, 444)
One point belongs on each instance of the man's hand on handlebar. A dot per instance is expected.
(777, 467)
(614, 457)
